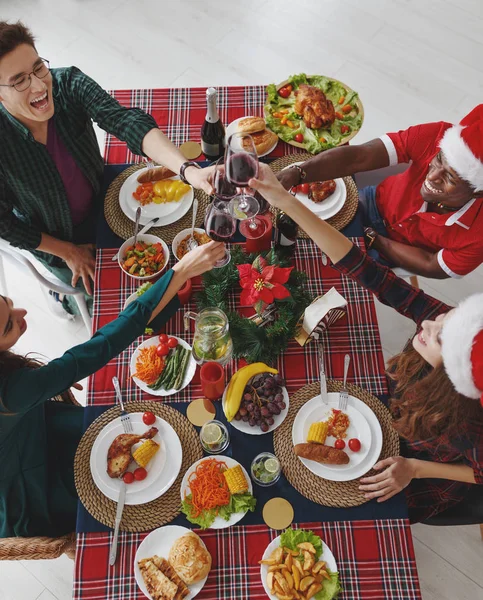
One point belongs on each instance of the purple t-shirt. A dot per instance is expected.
(77, 186)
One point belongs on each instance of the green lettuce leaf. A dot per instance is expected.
(297, 80)
(290, 538)
(143, 288)
(272, 93)
(238, 503)
(331, 589)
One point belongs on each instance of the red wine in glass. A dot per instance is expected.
(240, 168)
(241, 163)
(220, 226)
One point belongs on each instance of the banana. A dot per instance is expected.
(236, 387)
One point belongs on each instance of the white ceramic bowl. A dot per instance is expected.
(180, 237)
(149, 239)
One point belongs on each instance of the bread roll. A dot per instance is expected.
(321, 454)
(190, 559)
(263, 141)
(251, 124)
(155, 174)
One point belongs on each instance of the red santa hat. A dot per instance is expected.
(462, 347)
(462, 146)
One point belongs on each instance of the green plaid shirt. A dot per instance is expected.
(32, 195)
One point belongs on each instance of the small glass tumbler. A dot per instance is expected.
(214, 437)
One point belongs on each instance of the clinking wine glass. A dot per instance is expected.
(220, 226)
(224, 190)
(241, 164)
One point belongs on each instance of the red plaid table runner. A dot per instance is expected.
(375, 561)
(356, 334)
(180, 112)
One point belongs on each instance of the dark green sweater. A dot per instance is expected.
(32, 195)
(38, 438)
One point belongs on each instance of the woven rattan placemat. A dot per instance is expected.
(346, 213)
(142, 517)
(124, 227)
(341, 494)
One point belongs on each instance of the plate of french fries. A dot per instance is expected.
(298, 572)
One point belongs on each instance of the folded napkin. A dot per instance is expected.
(323, 311)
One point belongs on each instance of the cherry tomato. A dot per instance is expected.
(304, 188)
(339, 444)
(140, 473)
(354, 444)
(162, 350)
(285, 91)
(345, 129)
(149, 417)
(172, 342)
(128, 477)
(163, 338)
(299, 138)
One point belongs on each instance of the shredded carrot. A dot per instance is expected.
(208, 486)
(149, 365)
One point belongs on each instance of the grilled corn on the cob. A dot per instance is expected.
(236, 480)
(318, 432)
(145, 452)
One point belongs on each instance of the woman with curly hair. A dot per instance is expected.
(435, 383)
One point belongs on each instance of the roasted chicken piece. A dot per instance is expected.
(119, 455)
(312, 105)
(321, 190)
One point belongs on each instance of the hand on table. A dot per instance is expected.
(201, 178)
(82, 262)
(269, 186)
(398, 473)
(201, 259)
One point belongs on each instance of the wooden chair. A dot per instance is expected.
(374, 178)
(40, 547)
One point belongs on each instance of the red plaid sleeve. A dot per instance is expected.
(390, 289)
(474, 454)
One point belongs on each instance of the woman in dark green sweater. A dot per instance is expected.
(38, 438)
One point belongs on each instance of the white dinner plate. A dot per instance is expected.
(159, 543)
(326, 556)
(233, 128)
(219, 522)
(162, 471)
(245, 427)
(364, 426)
(168, 212)
(188, 376)
(328, 208)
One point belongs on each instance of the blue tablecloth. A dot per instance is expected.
(244, 448)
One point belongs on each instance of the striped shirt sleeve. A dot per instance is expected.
(129, 125)
(12, 229)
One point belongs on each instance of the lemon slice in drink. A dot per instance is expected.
(272, 465)
(212, 433)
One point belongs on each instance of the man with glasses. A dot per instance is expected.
(50, 165)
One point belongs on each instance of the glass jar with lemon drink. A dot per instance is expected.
(212, 340)
(266, 469)
(214, 437)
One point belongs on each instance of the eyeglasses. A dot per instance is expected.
(23, 82)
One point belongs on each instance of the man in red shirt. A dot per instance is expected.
(429, 219)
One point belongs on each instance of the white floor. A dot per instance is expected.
(412, 61)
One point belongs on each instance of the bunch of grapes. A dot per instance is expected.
(262, 401)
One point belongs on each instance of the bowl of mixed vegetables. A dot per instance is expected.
(146, 260)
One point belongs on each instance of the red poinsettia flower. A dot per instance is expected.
(262, 283)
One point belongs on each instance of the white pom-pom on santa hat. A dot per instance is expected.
(462, 347)
(462, 146)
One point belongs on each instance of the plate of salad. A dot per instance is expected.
(291, 127)
(309, 571)
(162, 365)
(216, 493)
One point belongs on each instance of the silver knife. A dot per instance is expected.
(146, 228)
(323, 379)
(120, 508)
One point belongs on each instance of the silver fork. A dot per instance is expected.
(125, 419)
(344, 394)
